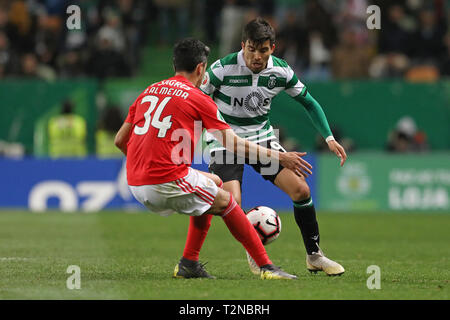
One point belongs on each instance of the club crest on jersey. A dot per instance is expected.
(216, 65)
(253, 101)
(272, 82)
(205, 79)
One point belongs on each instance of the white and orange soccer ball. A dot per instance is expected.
(266, 222)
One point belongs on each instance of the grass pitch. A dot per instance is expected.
(132, 256)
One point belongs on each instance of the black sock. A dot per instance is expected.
(188, 262)
(305, 216)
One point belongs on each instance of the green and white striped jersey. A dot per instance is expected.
(244, 98)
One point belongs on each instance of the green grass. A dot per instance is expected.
(132, 256)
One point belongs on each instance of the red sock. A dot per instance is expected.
(241, 228)
(198, 229)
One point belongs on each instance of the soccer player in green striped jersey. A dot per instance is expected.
(243, 85)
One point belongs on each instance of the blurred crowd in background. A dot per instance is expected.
(320, 39)
(35, 41)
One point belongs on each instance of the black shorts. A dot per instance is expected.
(229, 166)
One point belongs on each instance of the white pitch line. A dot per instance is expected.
(13, 259)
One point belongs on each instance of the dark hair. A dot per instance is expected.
(188, 53)
(258, 31)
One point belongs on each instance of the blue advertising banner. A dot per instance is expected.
(69, 185)
(93, 184)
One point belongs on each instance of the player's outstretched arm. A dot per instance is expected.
(319, 120)
(122, 137)
(248, 149)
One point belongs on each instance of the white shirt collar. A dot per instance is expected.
(240, 59)
(270, 63)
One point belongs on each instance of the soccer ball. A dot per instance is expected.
(266, 222)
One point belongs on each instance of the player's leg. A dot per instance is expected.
(198, 195)
(304, 212)
(243, 231)
(240, 227)
(230, 169)
(217, 180)
(198, 227)
(234, 187)
(191, 195)
(305, 217)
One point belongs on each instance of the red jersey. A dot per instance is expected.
(168, 119)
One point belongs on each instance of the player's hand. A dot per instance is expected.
(338, 150)
(294, 162)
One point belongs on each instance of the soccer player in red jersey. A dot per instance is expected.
(158, 138)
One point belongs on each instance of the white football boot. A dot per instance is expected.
(318, 262)
(252, 265)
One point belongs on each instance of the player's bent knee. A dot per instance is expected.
(220, 203)
(215, 178)
(235, 188)
(300, 192)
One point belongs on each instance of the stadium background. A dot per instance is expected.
(385, 92)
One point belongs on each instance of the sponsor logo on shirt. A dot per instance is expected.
(253, 101)
(238, 80)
